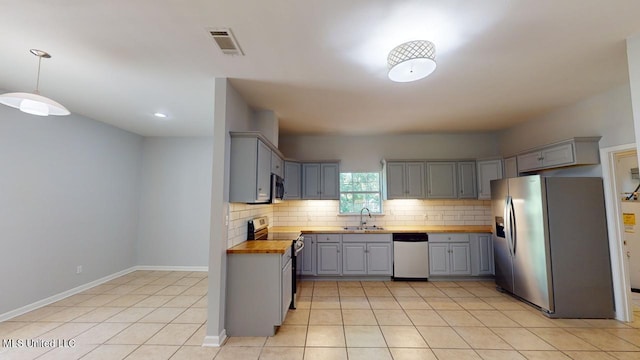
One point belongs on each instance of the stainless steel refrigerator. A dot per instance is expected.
(551, 245)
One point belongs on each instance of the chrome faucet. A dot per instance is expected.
(362, 223)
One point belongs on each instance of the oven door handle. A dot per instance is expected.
(300, 247)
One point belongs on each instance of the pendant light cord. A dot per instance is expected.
(38, 78)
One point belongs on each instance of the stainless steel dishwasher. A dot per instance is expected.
(410, 256)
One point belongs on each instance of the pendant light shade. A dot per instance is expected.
(412, 61)
(34, 103)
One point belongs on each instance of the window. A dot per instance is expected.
(358, 190)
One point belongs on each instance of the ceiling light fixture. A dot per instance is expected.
(160, 115)
(412, 61)
(34, 103)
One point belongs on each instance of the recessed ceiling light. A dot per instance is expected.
(160, 115)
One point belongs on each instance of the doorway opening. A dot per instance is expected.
(619, 172)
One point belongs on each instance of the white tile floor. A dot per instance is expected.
(162, 315)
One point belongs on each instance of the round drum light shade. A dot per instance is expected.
(412, 61)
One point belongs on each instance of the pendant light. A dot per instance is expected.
(34, 103)
(412, 61)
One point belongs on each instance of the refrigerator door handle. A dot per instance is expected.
(512, 226)
(507, 223)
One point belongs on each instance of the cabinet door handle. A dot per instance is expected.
(338, 250)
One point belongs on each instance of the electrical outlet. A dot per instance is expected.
(78, 269)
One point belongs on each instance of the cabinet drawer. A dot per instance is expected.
(328, 238)
(366, 238)
(444, 237)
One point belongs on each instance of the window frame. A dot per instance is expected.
(378, 192)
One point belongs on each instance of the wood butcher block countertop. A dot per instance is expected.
(386, 229)
(261, 247)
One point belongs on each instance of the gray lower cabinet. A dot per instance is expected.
(292, 184)
(328, 254)
(367, 254)
(309, 255)
(354, 258)
(481, 254)
(329, 259)
(379, 259)
(366, 259)
(258, 293)
(449, 254)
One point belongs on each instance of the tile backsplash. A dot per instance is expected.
(239, 215)
(396, 213)
(325, 213)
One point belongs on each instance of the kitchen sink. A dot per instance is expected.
(363, 228)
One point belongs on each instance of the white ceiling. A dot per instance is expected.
(320, 65)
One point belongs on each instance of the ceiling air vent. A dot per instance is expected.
(226, 41)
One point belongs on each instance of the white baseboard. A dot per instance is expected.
(78, 289)
(171, 268)
(57, 297)
(215, 341)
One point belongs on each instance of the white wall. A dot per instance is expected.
(231, 114)
(607, 114)
(175, 201)
(68, 196)
(363, 153)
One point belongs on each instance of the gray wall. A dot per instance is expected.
(175, 201)
(363, 153)
(607, 114)
(69, 197)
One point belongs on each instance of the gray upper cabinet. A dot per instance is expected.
(311, 181)
(250, 170)
(467, 180)
(488, 170)
(405, 180)
(575, 151)
(511, 167)
(330, 184)
(277, 165)
(320, 181)
(441, 180)
(292, 183)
